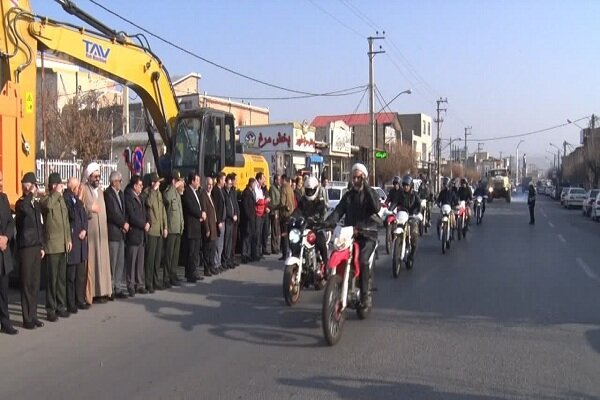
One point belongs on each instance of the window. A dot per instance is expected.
(429, 128)
(414, 146)
(424, 128)
(229, 141)
(212, 147)
(423, 151)
(187, 140)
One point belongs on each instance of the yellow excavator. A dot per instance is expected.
(202, 140)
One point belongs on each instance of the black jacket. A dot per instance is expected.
(393, 198)
(30, 230)
(231, 204)
(425, 192)
(465, 194)
(410, 202)
(312, 210)
(136, 217)
(249, 204)
(7, 228)
(479, 192)
(447, 196)
(116, 215)
(360, 209)
(218, 198)
(531, 195)
(192, 212)
(78, 220)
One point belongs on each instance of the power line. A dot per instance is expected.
(354, 113)
(339, 93)
(339, 21)
(359, 14)
(527, 133)
(195, 55)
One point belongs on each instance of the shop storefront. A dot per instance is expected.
(338, 156)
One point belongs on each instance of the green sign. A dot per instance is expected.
(381, 154)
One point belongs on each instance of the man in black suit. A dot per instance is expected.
(232, 215)
(249, 248)
(7, 230)
(193, 216)
(218, 200)
(134, 239)
(118, 226)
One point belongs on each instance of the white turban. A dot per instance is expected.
(91, 168)
(360, 167)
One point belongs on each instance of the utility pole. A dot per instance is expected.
(372, 54)
(438, 121)
(467, 133)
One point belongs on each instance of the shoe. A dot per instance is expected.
(245, 260)
(101, 300)
(72, 310)
(9, 329)
(151, 290)
(52, 317)
(167, 285)
(282, 258)
(122, 295)
(192, 280)
(207, 272)
(64, 314)
(83, 306)
(176, 283)
(266, 254)
(142, 291)
(214, 271)
(38, 323)
(158, 287)
(236, 264)
(29, 325)
(131, 292)
(111, 297)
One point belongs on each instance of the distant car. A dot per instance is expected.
(574, 197)
(589, 201)
(595, 214)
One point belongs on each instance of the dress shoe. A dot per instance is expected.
(131, 292)
(266, 253)
(151, 290)
(167, 285)
(112, 297)
(122, 295)
(207, 272)
(214, 271)
(9, 329)
(245, 260)
(83, 306)
(29, 325)
(72, 310)
(142, 291)
(192, 280)
(52, 317)
(158, 287)
(64, 314)
(282, 258)
(101, 300)
(38, 323)
(176, 283)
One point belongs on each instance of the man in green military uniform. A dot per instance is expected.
(57, 245)
(174, 209)
(157, 218)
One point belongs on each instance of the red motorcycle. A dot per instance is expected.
(461, 219)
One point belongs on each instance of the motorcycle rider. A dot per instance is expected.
(447, 196)
(312, 208)
(411, 203)
(394, 194)
(426, 194)
(360, 206)
(464, 194)
(480, 191)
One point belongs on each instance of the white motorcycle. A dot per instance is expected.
(402, 241)
(479, 208)
(343, 284)
(424, 224)
(445, 228)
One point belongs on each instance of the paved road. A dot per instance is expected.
(512, 312)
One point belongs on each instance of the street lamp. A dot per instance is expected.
(574, 123)
(517, 172)
(374, 130)
(553, 158)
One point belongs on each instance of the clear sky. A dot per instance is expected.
(506, 67)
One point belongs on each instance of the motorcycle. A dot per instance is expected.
(402, 241)
(390, 226)
(445, 228)
(461, 219)
(479, 209)
(303, 266)
(343, 284)
(424, 224)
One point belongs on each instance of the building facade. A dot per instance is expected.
(416, 131)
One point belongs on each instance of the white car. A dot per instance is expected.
(588, 203)
(595, 214)
(337, 191)
(574, 197)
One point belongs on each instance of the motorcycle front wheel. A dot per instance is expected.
(396, 258)
(389, 240)
(332, 315)
(291, 288)
(444, 238)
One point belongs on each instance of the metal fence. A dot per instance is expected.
(68, 169)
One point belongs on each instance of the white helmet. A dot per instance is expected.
(311, 186)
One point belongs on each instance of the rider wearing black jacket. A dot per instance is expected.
(360, 206)
(480, 191)
(312, 208)
(411, 203)
(465, 194)
(394, 194)
(447, 196)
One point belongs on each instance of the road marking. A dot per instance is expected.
(561, 238)
(588, 271)
(551, 224)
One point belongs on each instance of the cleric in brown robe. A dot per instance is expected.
(99, 285)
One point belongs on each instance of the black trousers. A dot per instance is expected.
(321, 246)
(152, 259)
(76, 284)
(249, 245)
(209, 249)
(285, 241)
(30, 266)
(227, 257)
(56, 288)
(414, 237)
(4, 315)
(275, 232)
(532, 212)
(367, 246)
(172, 245)
(257, 242)
(193, 248)
(266, 234)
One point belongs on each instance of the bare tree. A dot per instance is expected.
(592, 159)
(401, 160)
(80, 129)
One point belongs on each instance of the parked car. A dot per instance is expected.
(574, 197)
(588, 203)
(595, 213)
(337, 190)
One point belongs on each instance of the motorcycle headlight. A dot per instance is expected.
(490, 190)
(294, 236)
